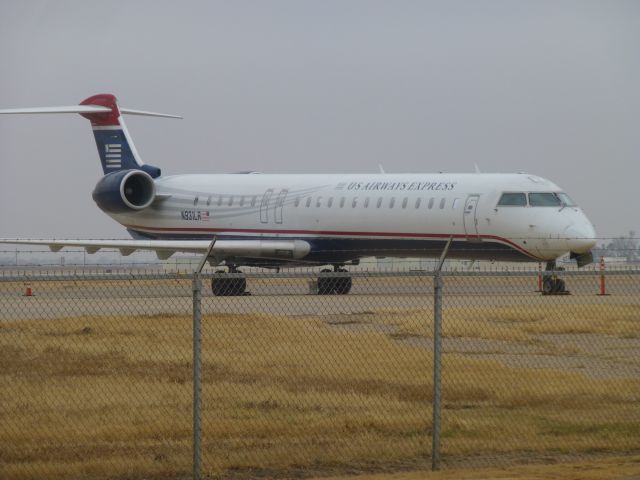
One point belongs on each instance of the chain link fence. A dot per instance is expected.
(97, 373)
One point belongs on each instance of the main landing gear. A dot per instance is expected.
(551, 284)
(334, 285)
(225, 285)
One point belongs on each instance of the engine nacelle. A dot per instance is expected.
(124, 191)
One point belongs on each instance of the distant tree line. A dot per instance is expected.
(623, 247)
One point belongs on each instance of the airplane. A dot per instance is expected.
(333, 220)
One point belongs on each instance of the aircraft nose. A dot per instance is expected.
(581, 238)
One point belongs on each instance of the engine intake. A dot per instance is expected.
(124, 191)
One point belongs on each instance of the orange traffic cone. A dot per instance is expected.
(28, 292)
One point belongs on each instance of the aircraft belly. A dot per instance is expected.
(324, 250)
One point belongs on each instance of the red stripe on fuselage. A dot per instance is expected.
(331, 233)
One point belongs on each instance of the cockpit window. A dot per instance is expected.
(544, 200)
(566, 199)
(513, 200)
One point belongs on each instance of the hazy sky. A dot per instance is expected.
(548, 87)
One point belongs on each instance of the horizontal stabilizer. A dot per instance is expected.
(84, 109)
(147, 114)
(272, 249)
(69, 109)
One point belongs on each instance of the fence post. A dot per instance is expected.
(437, 354)
(197, 374)
(197, 362)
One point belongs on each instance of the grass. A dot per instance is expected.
(110, 397)
(522, 323)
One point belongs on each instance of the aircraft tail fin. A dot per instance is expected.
(115, 147)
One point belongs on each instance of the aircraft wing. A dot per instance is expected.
(272, 249)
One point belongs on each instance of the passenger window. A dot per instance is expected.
(544, 200)
(308, 202)
(513, 200)
(341, 202)
(195, 201)
(242, 201)
(392, 202)
(208, 200)
(366, 202)
(418, 202)
(220, 201)
(319, 202)
(297, 201)
(253, 201)
(379, 204)
(354, 203)
(330, 202)
(230, 200)
(442, 202)
(404, 202)
(431, 203)
(455, 203)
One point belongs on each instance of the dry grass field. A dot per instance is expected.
(323, 394)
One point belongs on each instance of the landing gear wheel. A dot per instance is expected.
(342, 285)
(334, 285)
(553, 286)
(325, 284)
(223, 285)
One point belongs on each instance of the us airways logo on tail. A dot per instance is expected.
(113, 155)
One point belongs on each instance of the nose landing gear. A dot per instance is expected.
(338, 285)
(551, 284)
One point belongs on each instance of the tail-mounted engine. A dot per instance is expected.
(124, 190)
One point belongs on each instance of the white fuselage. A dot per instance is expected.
(345, 217)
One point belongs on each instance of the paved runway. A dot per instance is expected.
(292, 296)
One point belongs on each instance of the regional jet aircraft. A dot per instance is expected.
(334, 220)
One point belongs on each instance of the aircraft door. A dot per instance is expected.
(279, 205)
(264, 206)
(470, 218)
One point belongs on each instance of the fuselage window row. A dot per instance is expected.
(356, 201)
